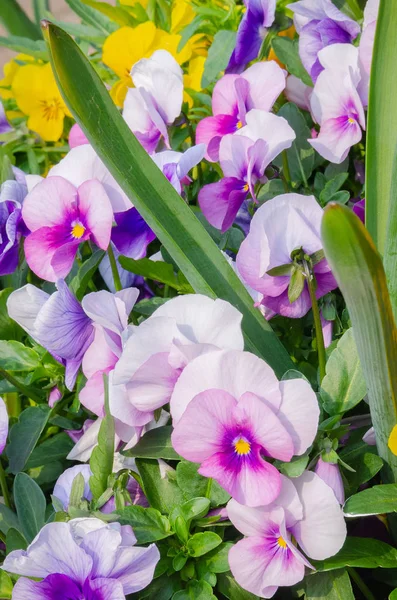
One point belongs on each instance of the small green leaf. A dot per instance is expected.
(15, 541)
(30, 504)
(14, 356)
(179, 562)
(156, 443)
(148, 306)
(365, 553)
(218, 56)
(195, 590)
(77, 491)
(294, 468)
(25, 434)
(35, 48)
(115, 13)
(92, 16)
(201, 543)
(229, 587)
(8, 519)
(281, 270)
(296, 285)
(101, 461)
(373, 501)
(365, 462)
(161, 490)
(317, 257)
(332, 187)
(151, 269)
(329, 586)
(217, 560)
(393, 595)
(287, 52)
(148, 524)
(6, 586)
(55, 448)
(194, 485)
(84, 275)
(192, 509)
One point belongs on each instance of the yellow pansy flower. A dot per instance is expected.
(192, 79)
(10, 70)
(181, 15)
(36, 93)
(126, 46)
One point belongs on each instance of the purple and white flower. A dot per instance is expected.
(12, 227)
(84, 559)
(3, 425)
(307, 511)
(5, 127)
(176, 165)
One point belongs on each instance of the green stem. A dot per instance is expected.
(13, 402)
(364, 589)
(209, 488)
(116, 277)
(3, 486)
(311, 284)
(286, 172)
(20, 386)
(301, 169)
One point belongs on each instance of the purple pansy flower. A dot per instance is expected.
(283, 224)
(359, 209)
(156, 100)
(233, 97)
(244, 158)
(306, 511)
(176, 165)
(330, 473)
(60, 218)
(5, 127)
(230, 412)
(320, 24)
(84, 559)
(259, 16)
(12, 227)
(56, 322)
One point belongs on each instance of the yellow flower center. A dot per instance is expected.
(351, 120)
(246, 187)
(239, 125)
(78, 230)
(281, 542)
(242, 447)
(52, 110)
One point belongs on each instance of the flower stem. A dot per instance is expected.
(311, 284)
(209, 488)
(286, 172)
(113, 265)
(3, 486)
(20, 386)
(364, 589)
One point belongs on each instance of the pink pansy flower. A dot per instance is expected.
(330, 473)
(77, 136)
(244, 158)
(279, 227)
(336, 104)
(60, 218)
(233, 97)
(298, 92)
(230, 412)
(306, 511)
(158, 350)
(156, 100)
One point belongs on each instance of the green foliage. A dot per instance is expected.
(148, 524)
(161, 489)
(30, 504)
(101, 461)
(194, 485)
(25, 434)
(218, 56)
(201, 543)
(5, 586)
(373, 501)
(229, 587)
(14, 356)
(157, 271)
(156, 443)
(80, 282)
(288, 53)
(55, 448)
(329, 586)
(365, 462)
(365, 553)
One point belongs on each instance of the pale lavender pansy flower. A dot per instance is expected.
(244, 158)
(327, 326)
(298, 92)
(158, 350)
(259, 16)
(156, 100)
(57, 322)
(176, 165)
(77, 136)
(3, 425)
(330, 474)
(336, 104)
(306, 511)
(12, 228)
(61, 217)
(284, 224)
(82, 164)
(230, 412)
(85, 559)
(369, 437)
(320, 24)
(5, 127)
(233, 97)
(54, 396)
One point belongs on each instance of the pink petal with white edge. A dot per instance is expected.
(232, 371)
(99, 356)
(92, 394)
(267, 81)
(299, 413)
(199, 433)
(276, 131)
(96, 210)
(322, 532)
(266, 426)
(224, 98)
(49, 203)
(3, 425)
(48, 255)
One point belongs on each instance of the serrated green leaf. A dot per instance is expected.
(148, 524)
(25, 434)
(30, 504)
(218, 56)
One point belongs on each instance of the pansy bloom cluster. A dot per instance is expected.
(187, 354)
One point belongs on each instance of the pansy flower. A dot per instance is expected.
(60, 218)
(305, 519)
(233, 97)
(12, 227)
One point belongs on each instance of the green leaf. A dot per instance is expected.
(301, 153)
(201, 543)
(162, 491)
(217, 561)
(91, 16)
(156, 443)
(175, 225)
(148, 524)
(194, 485)
(218, 56)
(5, 586)
(296, 284)
(15, 541)
(8, 519)
(229, 587)
(55, 448)
(195, 590)
(281, 270)
(9, 330)
(294, 468)
(36, 48)
(373, 501)
(161, 588)
(365, 462)
(14, 356)
(343, 385)
(115, 13)
(155, 270)
(25, 434)
(381, 129)
(102, 457)
(332, 187)
(365, 553)
(329, 586)
(16, 21)
(287, 52)
(192, 509)
(30, 504)
(359, 272)
(148, 306)
(393, 595)
(84, 275)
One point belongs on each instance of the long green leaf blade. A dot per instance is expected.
(16, 21)
(166, 213)
(359, 272)
(382, 124)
